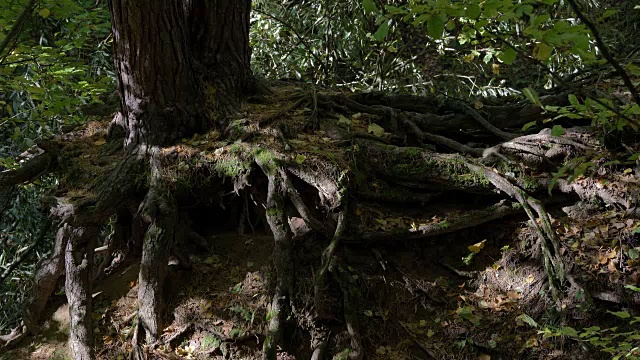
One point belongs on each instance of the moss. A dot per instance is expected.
(234, 162)
(232, 166)
(413, 151)
(274, 211)
(266, 158)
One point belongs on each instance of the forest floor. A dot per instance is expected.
(413, 306)
(476, 293)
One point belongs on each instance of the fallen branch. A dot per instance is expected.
(29, 170)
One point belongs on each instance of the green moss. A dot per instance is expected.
(235, 162)
(274, 211)
(266, 158)
(413, 151)
(232, 166)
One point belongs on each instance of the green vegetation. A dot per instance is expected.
(398, 118)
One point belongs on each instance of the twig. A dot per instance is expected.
(268, 121)
(461, 273)
(482, 121)
(605, 51)
(41, 235)
(417, 342)
(441, 140)
(561, 80)
(17, 27)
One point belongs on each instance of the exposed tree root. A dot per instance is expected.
(45, 281)
(79, 266)
(350, 313)
(553, 261)
(282, 254)
(160, 211)
(317, 187)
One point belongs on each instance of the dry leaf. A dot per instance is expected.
(475, 248)
(514, 295)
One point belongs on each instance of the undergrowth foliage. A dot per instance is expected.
(55, 64)
(56, 72)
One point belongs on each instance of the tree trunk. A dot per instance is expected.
(220, 42)
(162, 49)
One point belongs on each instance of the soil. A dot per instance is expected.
(417, 301)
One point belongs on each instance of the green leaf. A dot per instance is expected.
(634, 254)
(557, 130)
(527, 320)
(532, 95)
(435, 25)
(44, 13)
(542, 52)
(343, 120)
(508, 55)
(382, 31)
(473, 11)
(528, 125)
(569, 331)
(300, 159)
(376, 130)
(574, 100)
(524, 9)
(369, 6)
(632, 288)
(620, 314)
(368, 313)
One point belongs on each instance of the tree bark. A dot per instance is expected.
(162, 49)
(45, 281)
(220, 42)
(79, 264)
(153, 270)
(156, 79)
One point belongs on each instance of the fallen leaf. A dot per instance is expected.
(344, 120)
(514, 295)
(300, 159)
(376, 130)
(475, 248)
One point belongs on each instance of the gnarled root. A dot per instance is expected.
(45, 280)
(350, 314)
(79, 264)
(553, 262)
(282, 256)
(160, 211)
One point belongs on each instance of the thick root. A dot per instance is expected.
(282, 256)
(350, 315)
(45, 281)
(79, 264)
(160, 210)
